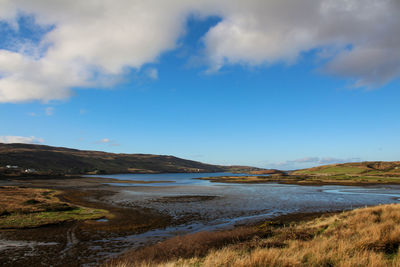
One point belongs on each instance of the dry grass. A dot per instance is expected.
(363, 237)
(22, 207)
(187, 246)
(27, 200)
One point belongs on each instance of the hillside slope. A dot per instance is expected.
(369, 168)
(59, 160)
(354, 173)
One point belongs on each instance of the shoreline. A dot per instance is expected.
(308, 181)
(253, 179)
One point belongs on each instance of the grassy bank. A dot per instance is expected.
(374, 169)
(303, 179)
(358, 173)
(362, 237)
(31, 207)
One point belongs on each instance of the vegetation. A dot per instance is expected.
(30, 207)
(362, 237)
(378, 168)
(306, 179)
(58, 160)
(344, 174)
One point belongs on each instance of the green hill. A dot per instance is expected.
(355, 173)
(370, 168)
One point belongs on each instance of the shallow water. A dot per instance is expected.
(232, 202)
(167, 179)
(11, 244)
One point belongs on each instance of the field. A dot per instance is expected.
(362, 237)
(30, 207)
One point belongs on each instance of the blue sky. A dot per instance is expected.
(276, 114)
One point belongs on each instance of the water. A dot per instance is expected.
(167, 179)
(228, 203)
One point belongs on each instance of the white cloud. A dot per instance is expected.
(93, 43)
(21, 139)
(105, 141)
(49, 111)
(108, 142)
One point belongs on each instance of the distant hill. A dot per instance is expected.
(369, 168)
(60, 160)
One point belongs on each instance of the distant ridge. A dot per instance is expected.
(61, 160)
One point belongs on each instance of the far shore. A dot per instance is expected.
(305, 180)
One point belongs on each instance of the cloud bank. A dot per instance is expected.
(94, 43)
(20, 139)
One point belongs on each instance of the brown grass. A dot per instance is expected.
(187, 246)
(22, 207)
(363, 237)
(27, 200)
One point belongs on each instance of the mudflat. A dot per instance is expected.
(71, 241)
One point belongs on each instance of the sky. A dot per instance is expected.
(274, 84)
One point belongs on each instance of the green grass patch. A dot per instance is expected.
(374, 172)
(334, 170)
(17, 220)
(358, 178)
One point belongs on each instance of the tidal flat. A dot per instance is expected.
(166, 206)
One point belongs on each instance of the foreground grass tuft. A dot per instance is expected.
(362, 237)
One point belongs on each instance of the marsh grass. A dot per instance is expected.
(22, 207)
(51, 217)
(362, 237)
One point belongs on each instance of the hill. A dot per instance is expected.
(59, 160)
(369, 168)
(354, 173)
